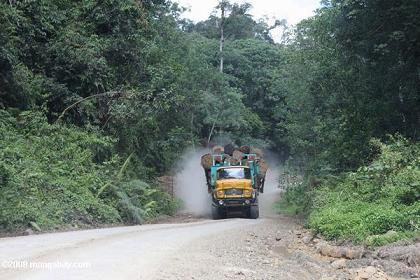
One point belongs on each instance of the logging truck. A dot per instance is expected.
(234, 183)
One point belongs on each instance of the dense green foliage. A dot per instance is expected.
(383, 196)
(375, 204)
(49, 174)
(296, 200)
(56, 176)
(100, 97)
(101, 82)
(352, 74)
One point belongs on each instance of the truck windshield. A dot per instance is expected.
(234, 173)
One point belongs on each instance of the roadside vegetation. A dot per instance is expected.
(98, 99)
(353, 88)
(61, 176)
(374, 205)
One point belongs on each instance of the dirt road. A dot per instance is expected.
(272, 247)
(205, 249)
(268, 248)
(200, 250)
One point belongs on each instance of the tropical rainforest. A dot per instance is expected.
(98, 98)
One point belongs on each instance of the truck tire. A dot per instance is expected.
(254, 212)
(217, 213)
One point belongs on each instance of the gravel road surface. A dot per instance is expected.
(231, 248)
(272, 247)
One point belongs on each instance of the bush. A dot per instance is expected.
(295, 200)
(389, 237)
(137, 201)
(53, 174)
(376, 199)
(49, 173)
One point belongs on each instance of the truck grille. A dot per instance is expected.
(233, 192)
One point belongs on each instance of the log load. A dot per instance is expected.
(229, 155)
(245, 149)
(258, 152)
(218, 150)
(229, 149)
(206, 161)
(238, 155)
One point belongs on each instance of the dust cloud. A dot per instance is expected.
(190, 184)
(271, 188)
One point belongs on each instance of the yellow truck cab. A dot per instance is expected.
(234, 188)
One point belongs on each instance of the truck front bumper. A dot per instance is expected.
(226, 202)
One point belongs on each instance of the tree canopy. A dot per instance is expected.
(138, 74)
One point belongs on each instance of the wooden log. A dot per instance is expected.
(206, 161)
(228, 160)
(258, 152)
(245, 149)
(219, 158)
(218, 150)
(263, 167)
(229, 149)
(237, 155)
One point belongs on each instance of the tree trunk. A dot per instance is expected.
(222, 38)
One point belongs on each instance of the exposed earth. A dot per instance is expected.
(273, 247)
(191, 246)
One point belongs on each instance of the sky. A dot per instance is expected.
(291, 10)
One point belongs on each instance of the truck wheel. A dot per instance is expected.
(217, 213)
(254, 212)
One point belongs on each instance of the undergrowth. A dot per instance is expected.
(55, 175)
(375, 205)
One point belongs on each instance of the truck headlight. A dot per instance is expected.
(247, 193)
(220, 193)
